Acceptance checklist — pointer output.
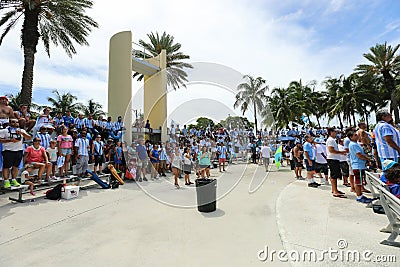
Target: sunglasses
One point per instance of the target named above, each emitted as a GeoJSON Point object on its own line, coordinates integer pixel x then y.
{"type": "Point", "coordinates": [36, 140]}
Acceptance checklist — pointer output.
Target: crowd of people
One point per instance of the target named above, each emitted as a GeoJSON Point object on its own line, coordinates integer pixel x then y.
{"type": "Point", "coordinates": [58, 143]}
{"type": "Point", "coordinates": [66, 142]}
{"type": "Point", "coordinates": [333, 154]}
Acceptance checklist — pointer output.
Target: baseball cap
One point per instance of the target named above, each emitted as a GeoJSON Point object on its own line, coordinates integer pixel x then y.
{"type": "Point", "coordinates": [387, 164]}
{"type": "Point", "coordinates": [4, 97]}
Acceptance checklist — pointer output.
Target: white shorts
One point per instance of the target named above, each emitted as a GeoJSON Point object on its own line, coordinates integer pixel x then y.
{"type": "Point", "coordinates": [4, 121]}
{"type": "Point", "coordinates": [350, 168]}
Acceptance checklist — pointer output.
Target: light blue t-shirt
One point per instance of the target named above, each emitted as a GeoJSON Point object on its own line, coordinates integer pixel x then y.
{"type": "Point", "coordinates": [356, 162]}
{"type": "Point", "coordinates": [309, 149]}
{"type": "Point", "coordinates": [346, 143]}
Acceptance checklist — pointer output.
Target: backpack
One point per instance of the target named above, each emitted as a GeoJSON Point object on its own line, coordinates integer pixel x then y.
{"type": "Point", "coordinates": [55, 193]}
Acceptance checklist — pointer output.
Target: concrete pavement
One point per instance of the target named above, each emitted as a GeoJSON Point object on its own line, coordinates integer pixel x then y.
{"type": "Point", "coordinates": [158, 225]}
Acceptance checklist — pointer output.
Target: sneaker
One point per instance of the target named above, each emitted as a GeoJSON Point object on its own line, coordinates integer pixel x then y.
{"type": "Point", "coordinates": [140, 179]}
{"type": "Point", "coordinates": [7, 184]}
{"type": "Point", "coordinates": [312, 185]}
{"type": "Point", "coordinates": [317, 184]}
{"type": "Point", "coordinates": [32, 193]}
{"type": "Point", "coordinates": [364, 200]}
{"type": "Point", "coordinates": [14, 182]}
{"type": "Point", "coordinates": [300, 178]}
{"type": "Point", "coordinates": [53, 177]}
{"type": "Point", "coordinates": [145, 179]}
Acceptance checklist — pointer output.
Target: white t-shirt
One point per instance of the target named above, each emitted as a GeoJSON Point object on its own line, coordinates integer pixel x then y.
{"type": "Point", "coordinates": [332, 142]}
{"type": "Point", "coordinates": [266, 151]}
{"type": "Point", "coordinates": [23, 176]}
{"type": "Point", "coordinates": [52, 153]}
{"type": "Point", "coordinates": [321, 149]}
{"type": "Point", "coordinates": [18, 146]}
{"type": "Point", "coordinates": [342, 157]}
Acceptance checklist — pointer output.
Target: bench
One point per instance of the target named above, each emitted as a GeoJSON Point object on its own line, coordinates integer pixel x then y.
{"type": "Point", "coordinates": [391, 205]}
{"type": "Point", "coordinates": [373, 182]}
{"type": "Point", "coordinates": [20, 190]}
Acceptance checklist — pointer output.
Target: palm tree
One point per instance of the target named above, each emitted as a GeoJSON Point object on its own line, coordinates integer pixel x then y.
{"type": "Point", "coordinates": [64, 102]}
{"type": "Point", "coordinates": [15, 101]}
{"type": "Point", "coordinates": [334, 105]}
{"type": "Point", "coordinates": [253, 93]}
{"type": "Point", "coordinates": [281, 103]}
{"type": "Point", "coordinates": [93, 108]}
{"type": "Point", "coordinates": [176, 75]}
{"type": "Point", "coordinates": [52, 21]}
{"type": "Point", "coordinates": [386, 64]}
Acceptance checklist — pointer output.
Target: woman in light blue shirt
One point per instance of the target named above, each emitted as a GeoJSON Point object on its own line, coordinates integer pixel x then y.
{"type": "Point", "coordinates": [204, 162]}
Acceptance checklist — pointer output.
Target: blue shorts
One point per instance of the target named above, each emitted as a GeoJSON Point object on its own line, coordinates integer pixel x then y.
{"type": "Point", "coordinates": [66, 151]}
{"type": "Point", "coordinates": [308, 167]}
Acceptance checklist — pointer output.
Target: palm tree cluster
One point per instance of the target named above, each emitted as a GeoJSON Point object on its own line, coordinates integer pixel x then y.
{"type": "Point", "coordinates": [369, 88]}
{"type": "Point", "coordinates": [61, 102]}
{"type": "Point", "coordinates": [61, 22]}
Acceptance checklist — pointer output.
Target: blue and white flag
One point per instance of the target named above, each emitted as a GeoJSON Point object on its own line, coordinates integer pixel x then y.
{"type": "Point", "coordinates": [305, 119]}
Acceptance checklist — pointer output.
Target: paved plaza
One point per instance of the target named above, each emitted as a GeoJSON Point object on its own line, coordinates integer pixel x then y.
{"type": "Point", "coordinates": [156, 225]}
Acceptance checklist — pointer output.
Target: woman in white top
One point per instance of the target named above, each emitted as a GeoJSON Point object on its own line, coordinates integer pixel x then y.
{"type": "Point", "coordinates": [176, 161]}
{"type": "Point", "coordinates": [187, 166]}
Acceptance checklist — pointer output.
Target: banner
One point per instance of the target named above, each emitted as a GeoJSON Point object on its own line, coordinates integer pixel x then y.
{"type": "Point", "coordinates": [278, 157]}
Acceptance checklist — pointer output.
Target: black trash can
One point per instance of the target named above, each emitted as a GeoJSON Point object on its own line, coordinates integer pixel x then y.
{"type": "Point", "coordinates": [206, 195]}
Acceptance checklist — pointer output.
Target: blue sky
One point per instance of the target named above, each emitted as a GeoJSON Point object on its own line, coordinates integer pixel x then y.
{"type": "Point", "coordinates": [281, 41]}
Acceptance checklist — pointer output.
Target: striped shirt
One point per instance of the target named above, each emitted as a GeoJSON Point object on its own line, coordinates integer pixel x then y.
{"type": "Point", "coordinates": [385, 151]}
{"type": "Point", "coordinates": [58, 121]}
{"type": "Point", "coordinates": [222, 150]}
{"type": "Point", "coordinates": [98, 148]}
{"type": "Point", "coordinates": [100, 123]}
{"type": "Point", "coordinates": [118, 125]}
{"type": "Point", "coordinates": [109, 125]}
{"type": "Point", "coordinates": [88, 123]}
{"type": "Point", "coordinates": [78, 123]}
{"type": "Point", "coordinates": [163, 154]}
{"type": "Point", "coordinates": [44, 139]}
{"type": "Point", "coordinates": [83, 146]}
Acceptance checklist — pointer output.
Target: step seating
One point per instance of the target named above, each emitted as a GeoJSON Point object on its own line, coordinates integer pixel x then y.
{"type": "Point", "coordinates": [44, 185]}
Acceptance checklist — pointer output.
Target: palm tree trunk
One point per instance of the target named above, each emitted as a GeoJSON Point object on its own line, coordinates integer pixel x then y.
{"type": "Point", "coordinates": [366, 119]}
{"type": "Point", "coordinates": [354, 119]}
{"type": "Point", "coordinates": [255, 116]}
{"type": "Point", "coordinates": [391, 88]}
{"type": "Point", "coordinates": [30, 38]}
{"type": "Point", "coordinates": [340, 121]}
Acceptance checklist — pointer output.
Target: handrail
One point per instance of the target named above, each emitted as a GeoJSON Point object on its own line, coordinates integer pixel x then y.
{"type": "Point", "coordinates": [141, 52]}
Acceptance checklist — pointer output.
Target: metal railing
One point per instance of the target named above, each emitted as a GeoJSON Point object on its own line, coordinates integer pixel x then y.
{"type": "Point", "coordinates": [140, 52]}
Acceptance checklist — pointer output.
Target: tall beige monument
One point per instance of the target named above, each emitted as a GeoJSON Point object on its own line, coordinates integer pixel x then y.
{"type": "Point", "coordinates": [121, 64]}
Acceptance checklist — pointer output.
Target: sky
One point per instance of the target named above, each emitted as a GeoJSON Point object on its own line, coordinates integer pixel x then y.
{"type": "Point", "coordinates": [280, 41]}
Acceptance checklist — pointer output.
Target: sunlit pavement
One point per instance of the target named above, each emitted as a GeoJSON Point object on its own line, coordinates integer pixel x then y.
{"type": "Point", "coordinates": [158, 225]}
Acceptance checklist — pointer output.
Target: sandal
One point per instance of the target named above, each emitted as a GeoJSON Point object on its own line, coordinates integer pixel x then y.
{"type": "Point", "coordinates": [340, 196]}
{"type": "Point", "coordinates": [340, 192]}
{"type": "Point", "coordinates": [177, 186]}
{"type": "Point", "coordinates": [347, 185]}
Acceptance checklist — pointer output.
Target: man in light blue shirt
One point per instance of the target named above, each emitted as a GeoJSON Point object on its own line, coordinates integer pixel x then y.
{"type": "Point", "coordinates": [386, 136]}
